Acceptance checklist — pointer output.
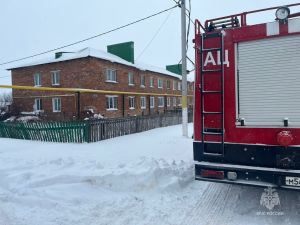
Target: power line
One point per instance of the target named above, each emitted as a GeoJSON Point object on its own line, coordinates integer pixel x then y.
{"type": "Point", "coordinates": [188, 14]}
{"type": "Point", "coordinates": [154, 36]}
{"type": "Point", "coordinates": [177, 2]}
{"type": "Point", "coordinates": [89, 38]}
{"type": "Point", "coordinates": [191, 61]}
{"type": "Point", "coordinates": [189, 25]}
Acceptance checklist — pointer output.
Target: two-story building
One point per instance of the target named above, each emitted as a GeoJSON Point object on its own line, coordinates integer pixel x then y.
{"type": "Point", "coordinates": [95, 70]}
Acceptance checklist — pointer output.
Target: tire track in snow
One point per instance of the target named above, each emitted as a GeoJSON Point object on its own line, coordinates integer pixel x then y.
{"type": "Point", "coordinates": [215, 206]}
{"type": "Point", "coordinates": [234, 205]}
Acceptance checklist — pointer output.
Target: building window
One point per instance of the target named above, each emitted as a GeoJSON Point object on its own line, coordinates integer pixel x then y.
{"type": "Point", "coordinates": [160, 83]}
{"type": "Point", "coordinates": [111, 75]}
{"type": "Point", "coordinates": [143, 102]}
{"type": "Point", "coordinates": [174, 85]}
{"type": "Point", "coordinates": [38, 106]}
{"type": "Point", "coordinates": [179, 86]}
{"type": "Point", "coordinates": [161, 102]}
{"type": "Point", "coordinates": [192, 87]}
{"type": "Point", "coordinates": [151, 81]}
{"type": "Point", "coordinates": [174, 101]}
{"type": "Point", "coordinates": [168, 84]}
{"type": "Point", "coordinates": [142, 80]}
{"type": "Point", "coordinates": [179, 101]}
{"type": "Point", "coordinates": [112, 102]}
{"type": "Point", "coordinates": [130, 79]}
{"type": "Point", "coordinates": [55, 77]}
{"type": "Point", "coordinates": [191, 101]}
{"type": "Point", "coordinates": [152, 102]}
{"type": "Point", "coordinates": [56, 104]}
{"type": "Point", "coordinates": [168, 101]}
{"type": "Point", "coordinates": [131, 102]}
{"type": "Point", "coordinates": [37, 80]}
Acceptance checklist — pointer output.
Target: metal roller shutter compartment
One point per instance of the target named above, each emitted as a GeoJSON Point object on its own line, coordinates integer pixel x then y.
{"type": "Point", "coordinates": [269, 81]}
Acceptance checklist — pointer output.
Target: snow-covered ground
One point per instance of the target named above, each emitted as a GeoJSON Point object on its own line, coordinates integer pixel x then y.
{"type": "Point", "coordinates": [140, 179]}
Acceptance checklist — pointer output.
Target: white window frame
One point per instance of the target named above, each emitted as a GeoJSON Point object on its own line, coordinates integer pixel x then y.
{"type": "Point", "coordinates": [38, 105]}
{"type": "Point", "coordinates": [160, 83]}
{"type": "Point", "coordinates": [37, 79]}
{"type": "Point", "coordinates": [179, 86]}
{"type": "Point", "coordinates": [113, 105]}
{"type": "Point", "coordinates": [161, 102]}
{"type": "Point", "coordinates": [55, 77]}
{"type": "Point", "coordinates": [168, 84]}
{"type": "Point", "coordinates": [56, 104]}
{"type": "Point", "coordinates": [143, 102]}
{"type": "Point", "coordinates": [152, 102]}
{"type": "Point", "coordinates": [192, 87]}
{"type": "Point", "coordinates": [168, 101]}
{"type": "Point", "coordinates": [111, 75]}
{"type": "Point", "coordinates": [179, 101]}
{"type": "Point", "coordinates": [152, 82]}
{"type": "Point", "coordinates": [174, 85]}
{"type": "Point", "coordinates": [174, 101]}
{"type": "Point", "coordinates": [143, 81]}
{"type": "Point", "coordinates": [131, 102]}
{"type": "Point", "coordinates": [191, 102]}
{"type": "Point", "coordinates": [130, 79]}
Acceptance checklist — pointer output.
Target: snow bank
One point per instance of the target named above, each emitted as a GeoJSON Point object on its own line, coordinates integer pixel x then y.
{"type": "Point", "coordinates": [141, 176]}
{"type": "Point", "coordinates": [139, 179]}
{"type": "Point", "coordinates": [53, 183]}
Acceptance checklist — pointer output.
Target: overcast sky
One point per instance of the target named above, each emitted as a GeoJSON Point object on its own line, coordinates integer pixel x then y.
{"type": "Point", "coordinates": [32, 26]}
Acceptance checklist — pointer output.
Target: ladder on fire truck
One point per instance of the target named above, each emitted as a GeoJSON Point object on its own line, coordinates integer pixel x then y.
{"type": "Point", "coordinates": [220, 72]}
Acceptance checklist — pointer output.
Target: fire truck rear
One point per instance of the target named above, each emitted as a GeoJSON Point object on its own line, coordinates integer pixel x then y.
{"type": "Point", "coordinates": [247, 100]}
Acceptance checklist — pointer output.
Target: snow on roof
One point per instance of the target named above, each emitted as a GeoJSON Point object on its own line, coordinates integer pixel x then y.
{"type": "Point", "coordinates": [86, 52]}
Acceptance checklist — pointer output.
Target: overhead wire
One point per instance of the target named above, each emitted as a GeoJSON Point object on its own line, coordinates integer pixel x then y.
{"type": "Point", "coordinates": [92, 37]}
{"type": "Point", "coordinates": [189, 25]}
{"type": "Point", "coordinates": [155, 35]}
{"type": "Point", "coordinates": [188, 33]}
{"type": "Point", "coordinates": [187, 14]}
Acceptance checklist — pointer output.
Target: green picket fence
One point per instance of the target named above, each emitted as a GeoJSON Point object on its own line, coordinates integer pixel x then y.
{"type": "Point", "coordinates": [87, 131]}
{"type": "Point", "coordinates": [75, 132]}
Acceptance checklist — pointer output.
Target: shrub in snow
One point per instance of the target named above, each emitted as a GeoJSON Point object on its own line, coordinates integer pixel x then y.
{"type": "Point", "coordinates": [11, 119]}
{"type": "Point", "coordinates": [91, 114]}
{"type": "Point", "coordinates": [24, 119]}
{"type": "Point", "coordinates": [98, 116]}
{"type": "Point", "coordinates": [27, 119]}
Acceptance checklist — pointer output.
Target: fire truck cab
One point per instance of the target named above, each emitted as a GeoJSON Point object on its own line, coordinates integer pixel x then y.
{"type": "Point", "coordinates": [247, 100]}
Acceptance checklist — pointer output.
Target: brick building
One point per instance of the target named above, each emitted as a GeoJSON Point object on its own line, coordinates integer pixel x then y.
{"type": "Point", "coordinates": [97, 70]}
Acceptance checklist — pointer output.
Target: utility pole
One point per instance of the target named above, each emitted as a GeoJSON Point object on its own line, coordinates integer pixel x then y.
{"type": "Point", "coordinates": [184, 76]}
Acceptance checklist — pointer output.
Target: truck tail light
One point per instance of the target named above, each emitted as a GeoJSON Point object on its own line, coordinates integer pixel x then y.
{"type": "Point", "coordinates": [285, 138]}
{"type": "Point", "coordinates": [212, 174]}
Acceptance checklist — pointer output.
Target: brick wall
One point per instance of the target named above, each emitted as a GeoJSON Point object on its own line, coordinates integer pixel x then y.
{"type": "Point", "coordinates": [89, 73]}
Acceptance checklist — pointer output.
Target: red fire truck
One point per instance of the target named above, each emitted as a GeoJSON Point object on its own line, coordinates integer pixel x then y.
{"type": "Point", "coordinates": [247, 100]}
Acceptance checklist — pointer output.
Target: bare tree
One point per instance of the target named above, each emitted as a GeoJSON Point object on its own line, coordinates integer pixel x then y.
{"type": "Point", "coordinates": [5, 99]}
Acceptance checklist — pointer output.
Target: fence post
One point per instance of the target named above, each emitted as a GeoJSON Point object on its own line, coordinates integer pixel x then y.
{"type": "Point", "coordinates": [87, 131]}
{"type": "Point", "coordinates": [24, 131]}
{"type": "Point", "coordinates": [136, 125]}
{"type": "Point", "coordinates": [160, 120]}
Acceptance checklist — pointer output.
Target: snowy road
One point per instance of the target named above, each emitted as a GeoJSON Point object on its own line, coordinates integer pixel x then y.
{"type": "Point", "coordinates": [233, 205]}
{"type": "Point", "coordinates": [141, 179]}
